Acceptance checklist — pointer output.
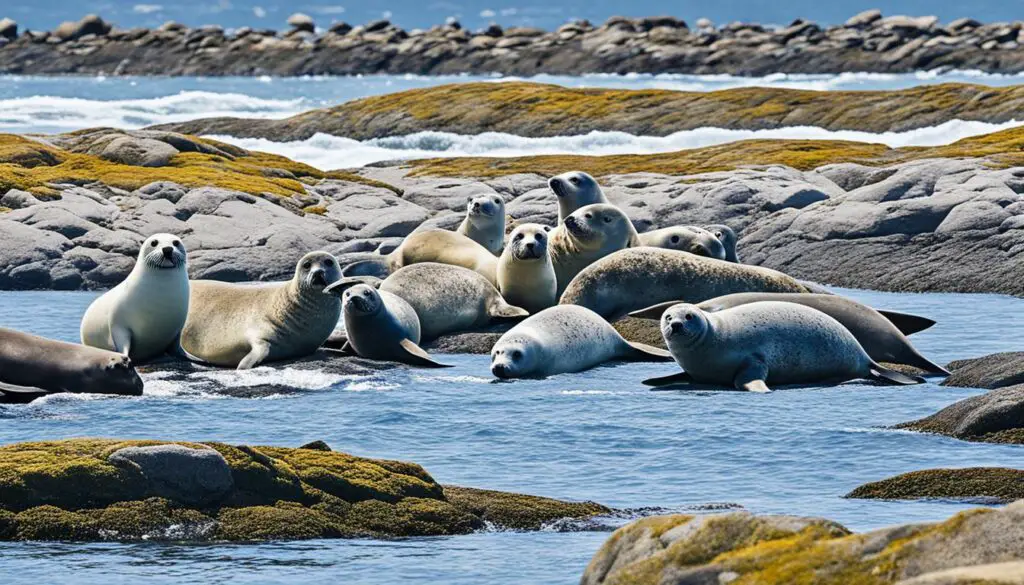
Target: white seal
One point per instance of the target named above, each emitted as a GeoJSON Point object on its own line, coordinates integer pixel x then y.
{"type": "Point", "coordinates": [526, 277]}
{"type": "Point", "coordinates": [485, 222]}
{"type": "Point", "coordinates": [574, 190]}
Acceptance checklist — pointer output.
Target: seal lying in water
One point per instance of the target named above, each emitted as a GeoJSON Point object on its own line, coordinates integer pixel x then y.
{"type": "Point", "coordinates": [32, 366]}
{"type": "Point", "coordinates": [752, 346]}
{"type": "Point", "coordinates": [564, 339]}
{"type": "Point", "coordinates": [879, 337]}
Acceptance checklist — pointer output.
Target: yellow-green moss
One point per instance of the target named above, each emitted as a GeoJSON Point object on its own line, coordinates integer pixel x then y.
{"type": "Point", "coordinates": [315, 209]}
{"type": "Point", "coordinates": [977, 482]}
{"type": "Point", "coordinates": [4, 209]}
{"type": "Point", "coordinates": [517, 510]}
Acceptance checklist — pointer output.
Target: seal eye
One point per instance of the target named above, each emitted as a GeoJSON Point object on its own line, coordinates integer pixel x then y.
{"type": "Point", "coordinates": [519, 236]}
{"type": "Point", "coordinates": [516, 354]}
{"type": "Point", "coordinates": [328, 262]}
{"type": "Point", "coordinates": [607, 219]}
{"type": "Point", "coordinates": [718, 234]}
{"type": "Point", "coordinates": [588, 215]}
{"type": "Point", "coordinates": [574, 180]}
{"type": "Point", "coordinates": [689, 316]}
{"type": "Point", "coordinates": [539, 237]}
{"type": "Point", "coordinates": [153, 243]}
{"type": "Point", "coordinates": [675, 239]}
{"type": "Point", "coordinates": [497, 201]}
{"type": "Point", "coordinates": [307, 265]}
{"type": "Point", "coordinates": [366, 293]}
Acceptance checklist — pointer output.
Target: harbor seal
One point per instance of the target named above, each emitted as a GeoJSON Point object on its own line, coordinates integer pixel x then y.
{"type": "Point", "coordinates": [574, 190]}
{"type": "Point", "coordinates": [440, 246]}
{"type": "Point", "coordinates": [142, 317]}
{"type": "Point", "coordinates": [686, 238]}
{"type": "Point", "coordinates": [526, 277]}
{"type": "Point", "coordinates": [31, 366]}
{"type": "Point", "coordinates": [879, 337]}
{"type": "Point", "coordinates": [382, 326]}
{"type": "Point", "coordinates": [485, 222]}
{"type": "Point", "coordinates": [238, 325]}
{"type": "Point", "coordinates": [632, 279]}
{"type": "Point", "coordinates": [586, 236]}
{"type": "Point", "coordinates": [727, 236]}
{"type": "Point", "coordinates": [767, 343]}
{"type": "Point", "coordinates": [561, 340]}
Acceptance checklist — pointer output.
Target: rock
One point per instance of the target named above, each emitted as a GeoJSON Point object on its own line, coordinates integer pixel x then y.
{"type": "Point", "coordinates": [705, 23]}
{"type": "Point", "coordinates": [1010, 573]}
{"type": "Point", "coordinates": [992, 371]}
{"type": "Point", "coordinates": [89, 25]}
{"type": "Point", "coordinates": [317, 446]}
{"type": "Point", "coordinates": [377, 25]}
{"type": "Point", "coordinates": [864, 19]}
{"type": "Point", "coordinates": [995, 417]}
{"type": "Point", "coordinates": [140, 152]}
{"type": "Point", "coordinates": [194, 477]}
{"type": "Point", "coordinates": [963, 24]}
{"type": "Point", "coordinates": [340, 28]}
{"type": "Point", "coordinates": [18, 199]}
{"type": "Point", "coordinates": [301, 22]}
{"type": "Point", "coordinates": [994, 484]}
{"type": "Point", "coordinates": [8, 29]}
{"type": "Point", "coordinates": [172, 192]}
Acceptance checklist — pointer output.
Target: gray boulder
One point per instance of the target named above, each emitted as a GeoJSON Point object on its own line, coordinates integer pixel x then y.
{"type": "Point", "coordinates": [995, 417]}
{"type": "Point", "coordinates": [17, 199]}
{"type": "Point", "coordinates": [140, 152]}
{"type": "Point", "coordinates": [301, 22]}
{"type": "Point", "coordinates": [194, 477]}
{"type": "Point", "coordinates": [89, 25]}
{"type": "Point", "coordinates": [8, 29]}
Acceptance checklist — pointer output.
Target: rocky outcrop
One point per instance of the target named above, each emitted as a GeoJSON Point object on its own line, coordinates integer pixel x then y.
{"type": "Point", "coordinates": [993, 484]}
{"type": "Point", "coordinates": [777, 550]}
{"type": "Point", "coordinates": [998, 370]}
{"type": "Point", "coordinates": [108, 489]}
{"type": "Point", "coordinates": [540, 110]}
{"type": "Point", "coordinates": [867, 42]}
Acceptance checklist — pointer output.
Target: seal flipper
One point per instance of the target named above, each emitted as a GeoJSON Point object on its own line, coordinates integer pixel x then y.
{"type": "Point", "coordinates": [751, 376]}
{"type": "Point", "coordinates": [122, 340]}
{"type": "Point", "coordinates": [501, 311]}
{"type": "Point", "coordinates": [671, 380]}
{"type": "Point", "coordinates": [259, 350]}
{"type": "Point", "coordinates": [371, 267]}
{"type": "Point", "coordinates": [912, 357]}
{"type": "Point", "coordinates": [907, 324]}
{"type": "Point", "coordinates": [337, 341]}
{"type": "Point", "coordinates": [12, 394]}
{"type": "Point", "coordinates": [415, 355]}
{"type": "Point", "coordinates": [654, 311]}
{"type": "Point", "coordinates": [641, 352]}
{"type": "Point", "coordinates": [887, 376]}
{"type": "Point", "coordinates": [177, 350]}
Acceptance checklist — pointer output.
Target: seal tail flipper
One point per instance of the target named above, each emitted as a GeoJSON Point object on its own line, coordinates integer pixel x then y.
{"type": "Point", "coordinates": [672, 380]}
{"type": "Point", "coordinates": [372, 267]}
{"type": "Point", "coordinates": [338, 287]}
{"type": "Point", "coordinates": [11, 394]}
{"type": "Point", "coordinates": [641, 352]}
{"type": "Point", "coordinates": [415, 355]}
{"type": "Point", "coordinates": [887, 376]}
{"type": "Point", "coordinates": [914, 358]}
{"type": "Point", "coordinates": [504, 311]}
{"type": "Point", "coordinates": [907, 324]}
{"type": "Point", "coordinates": [654, 311]}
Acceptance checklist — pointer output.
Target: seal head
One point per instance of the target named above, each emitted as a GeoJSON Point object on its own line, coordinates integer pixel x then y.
{"type": "Point", "coordinates": [574, 190]}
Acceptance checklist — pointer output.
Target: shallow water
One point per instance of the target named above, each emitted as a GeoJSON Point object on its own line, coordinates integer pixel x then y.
{"type": "Point", "coordinates": [599, 435]}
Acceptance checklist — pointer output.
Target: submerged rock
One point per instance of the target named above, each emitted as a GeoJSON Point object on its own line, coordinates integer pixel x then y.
{"type": "Point", "coordinates": [995, 417]}
{"type": "Point", "coordinates": [974, 483]}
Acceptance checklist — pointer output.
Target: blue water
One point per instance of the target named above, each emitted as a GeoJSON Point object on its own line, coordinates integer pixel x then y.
{"type": "Point", "coordinates": [597, 436]}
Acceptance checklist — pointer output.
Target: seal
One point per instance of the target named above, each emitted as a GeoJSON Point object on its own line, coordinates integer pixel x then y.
{"type": "Point", "coordinates": [727, 236]}
{"type": "Point", "coordinates": [879, 337]}
{"type": "Point", "coordinates": [686, 238]}
{"type": "Point", "coordinates": [632, 279]}
{"type": "Point", "coordinates": [574, 190]}
{"type": "Point", "coordinates": [561, 340]}
{"type": "Point", "coordinates": [440, 246]}
{"type": "Point", "coordinates": [381, 326]}
{"type": "Point", "coordinates": [485, 222]}
{"type": "Point", "coordinates": [238, 325]}
{"type": "Point", "coordinates": [31, 366]}
{"type": "Point", "coordinates": [526, 277]}
{"type": "Point", "coordinates": [586, 236]}
{"type": "Point", "coordinates": [142, 316]}
{"type": "Point", "coordinates": [767, 343]}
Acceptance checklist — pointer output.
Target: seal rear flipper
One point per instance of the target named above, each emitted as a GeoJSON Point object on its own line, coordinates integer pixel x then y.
{"type": "Point", "coordinates": [338, 287]}
{"type": "Point", "coordinates": [414, 355]}
{"type": "Point", "coordinates": [337, 341]}
{"type": "Point", "coordinates": [751, 376]}
{"type": "Point", "coordinates": [371, 267]}
{"type": "Point", "coordinates": [671, 380]}
{"type": "Point", "coordinates": [654, 311]}
{"type": "Point", "coordinates": [642, 352]}
{"type": "Point", "coordinates": [505, 311]}
{"type": "Point", "coordinates": [887, 376]}
{"type": "Point", "coordinates": [907, 324]}
{"type": "Point", "coordinates": [913, 358]}
{"type": "Point", "coordinates": [11, 394]}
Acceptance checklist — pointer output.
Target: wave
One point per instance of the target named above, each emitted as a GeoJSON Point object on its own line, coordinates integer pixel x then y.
{"type": "Point", "coordinates": [331, 152]}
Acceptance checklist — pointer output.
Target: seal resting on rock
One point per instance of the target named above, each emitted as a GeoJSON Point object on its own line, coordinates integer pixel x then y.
{"type": "Point", "coordinates": [768, 343]}
{"type": "Point", "coordinates": [526, 277]}
{"type": "Point", "coordinates": [574, 190]}
{"type": "Point", "coordinates": [879, 337]}
{"type": "Point", "coordinates": [238, 325]}
{"type": "Point", "coordinates": [727, 236]}
{"type": "Point", "coordinates": [31, 366]}
{"type": "Point", "coordinates": [685, 238]}
{"type": "Point", "coordinates": [586, 236]}
{"type": "Point", "coordinates": [485, 222]}
{"type": "Point", "coordinates": [440, 246]}
{"type": "Point", "coordinates": [142, 317]}
{"type": "Point", "coordinates": [632, 279]}
{"type": "Point", "coordinates": [561, 340]}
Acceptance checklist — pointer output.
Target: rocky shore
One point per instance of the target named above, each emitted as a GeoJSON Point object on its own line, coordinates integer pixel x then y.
{"type": "Point", "coordinates": [662, 44]}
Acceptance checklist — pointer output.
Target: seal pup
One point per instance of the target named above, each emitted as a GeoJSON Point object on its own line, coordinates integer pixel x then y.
{"type": "Point", "coordinates": [142, 317]}
{"type": "Point", "coordinates": [632, 279]}
{"type": "Point", "coordinates": [381, 326]}
{"type": "Point", "coordinates": [440, 246]}
{"type": "Point", "coordinates": [686, 238]}
{"type": "Point", "coordinates": [767, 343]}
{"type": "Point", "coordinates": [238, 325]}
{"type": "Point", "coordinates": [727, 236]}
{"type": "Point", "coordinates": [879, 337]}
{"type": "Point", "coordinates": [586, 236]}
{"type": "Point", "coordinates": [574, 190]}
{"type": "Point", "coordinates": [31, 366]}
{"type": "Point", "coordinates": [564, 339]}
{"type": "Point", "coordinates": [526, 277]}
{"type": "Point", "coordinates": [485, 222]}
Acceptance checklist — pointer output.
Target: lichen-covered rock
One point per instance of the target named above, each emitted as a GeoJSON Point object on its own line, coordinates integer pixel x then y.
{"type": "Point", "coordinates": [992, 371]}
{"type": "Point", "coordinates": [96, 489]}
{"type": "Point", "coordinates": [988, 483]}
{"type": "Point", "coordinates": [1011, 573]}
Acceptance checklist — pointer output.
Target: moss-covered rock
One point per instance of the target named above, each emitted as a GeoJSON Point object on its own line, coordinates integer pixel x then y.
{"type": "Point", "coordinates": [70, 489]}
{"type": "Point", "coordinates": [994, 483]}
{"type": "Point", "coordinates": [994, 417]}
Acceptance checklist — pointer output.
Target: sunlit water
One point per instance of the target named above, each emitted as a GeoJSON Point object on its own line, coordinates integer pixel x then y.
{"type": "Point", "coordinates": [598, 435]}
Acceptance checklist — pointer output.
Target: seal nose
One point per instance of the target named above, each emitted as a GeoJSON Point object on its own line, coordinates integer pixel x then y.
{"type": "Point", "coordinates": [676, 326]}
{"type": "Point", "coordinates": [531, 245]}
{"type": "Point", "coordinates": [168, 252]}
{"type": "Point", "coordinates": [500, 370]}
{"type": "Point", "coordinates": [476, 206]}
{"type": "Point", "coordinates": [555, 184]}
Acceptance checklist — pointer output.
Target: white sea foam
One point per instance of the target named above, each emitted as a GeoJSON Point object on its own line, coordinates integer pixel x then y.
{"type": "Point", "coordinates": [291, 377]}
{"type": "Point", "coordinates": [330, 152]}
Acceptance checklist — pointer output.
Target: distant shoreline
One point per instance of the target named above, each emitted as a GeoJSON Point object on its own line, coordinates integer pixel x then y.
{"type": "Point", "coordinates": [867, 43]}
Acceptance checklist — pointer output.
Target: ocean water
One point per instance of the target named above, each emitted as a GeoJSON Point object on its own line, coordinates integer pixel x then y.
{"type": "Point", "coordinates": [62, 104]}
{"type": "Point", "coordinates": [599, 435]}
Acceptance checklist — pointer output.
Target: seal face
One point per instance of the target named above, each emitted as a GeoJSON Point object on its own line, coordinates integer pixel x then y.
{"type": "Point", "coordinates": [142, 317]}
{"type": "Point", "coordinates": [243, 326]}
{"type": "Point", "coordinates": [727, 236]}
{"type": "Point", "coordinates": [485, 222]}
{"type": "Point", "coordinates": [563, 339]}
{"type": "Point", "coordinates": [753, 346]}
{"type": "Point", "coordinates": [526, 276]}
{"type": "Point", "coordinates": [586, 236]}
{"type": "Point", "coordinates": [574, 190]}
{"type": "Point", "coordinates": [686, 238]}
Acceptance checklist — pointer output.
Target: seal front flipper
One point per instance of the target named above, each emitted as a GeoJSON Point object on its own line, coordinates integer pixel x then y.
{"type": "Point", "coordinates": [642, 352]}
{"type": "Point", "coordinates": [907, 324]}
{"type": "Point", "coordinates": [654, 311]}
{"type": "Point", "coordinates": [122, 339]}
{"type": "Point", "coordinates": [751, 376]}
{"type": "Point", "coordinates": [887, 376]}
{"type": "Point", "coordinates": [672, 380]}
{"type": "Point", "coordinates": [259, 351]}
{"type": "Point", "coordinates": [414, 355]}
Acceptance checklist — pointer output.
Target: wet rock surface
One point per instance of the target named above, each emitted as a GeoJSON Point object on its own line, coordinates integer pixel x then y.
{"type": "Point", "coordinates": [990, 484]}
